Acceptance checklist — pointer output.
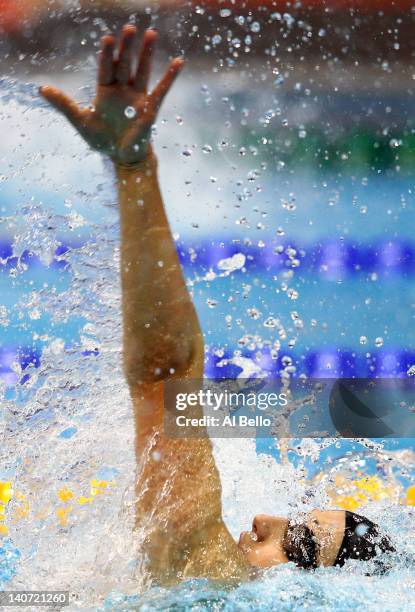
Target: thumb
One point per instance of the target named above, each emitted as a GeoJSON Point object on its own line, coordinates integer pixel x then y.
{"type": "Point", "coordinates": [63, 104]}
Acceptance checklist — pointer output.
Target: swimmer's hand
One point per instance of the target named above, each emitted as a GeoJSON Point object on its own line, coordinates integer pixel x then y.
{"type": "Point", "coordinates": [123, 111]}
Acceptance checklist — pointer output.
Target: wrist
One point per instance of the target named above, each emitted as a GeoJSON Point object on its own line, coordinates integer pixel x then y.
{"type": "Point", "coordinates": [147, 163]}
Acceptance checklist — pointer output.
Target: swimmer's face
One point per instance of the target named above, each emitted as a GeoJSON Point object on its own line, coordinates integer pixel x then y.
{"type": "Point", "coordinates": [271, 537]}
{"type": "Point", "coordinates": [263, 545]}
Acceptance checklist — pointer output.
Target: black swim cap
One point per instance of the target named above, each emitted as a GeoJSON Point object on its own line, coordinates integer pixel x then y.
{"type": "Point", "coordinates": [300, 546]}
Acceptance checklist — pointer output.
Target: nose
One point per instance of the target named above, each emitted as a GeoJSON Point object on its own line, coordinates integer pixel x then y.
{"type": "Point", "coordinates": [261, 524]}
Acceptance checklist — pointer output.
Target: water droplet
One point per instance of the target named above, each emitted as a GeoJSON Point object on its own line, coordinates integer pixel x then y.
{"type": "Point", "coordinates": [256, 27]}
{"type": "Point", "coordinates": [254, 313]}
{"type": "Point", "coordinates": [363, 340]}
{"type": "Point", "coordinates": [289, 205]}
{"type": "Point", "coordinates": [207, 149]}
{"type": "Point", "coordinates": [270, 322]}
{"type": "Point", "coordinates": [379, 342]}
{"type": "Point", "coordinates": [292, 294]}
{"type": "Point", "coordinates": [130, 112]}
{"type": "Point", "coordinates": [187, 153]}
{"type": "Point", "coordinates": [236, 262]}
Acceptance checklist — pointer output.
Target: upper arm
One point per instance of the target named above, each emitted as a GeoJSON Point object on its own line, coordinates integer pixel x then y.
{"type": "Point", "coordinates": [179, 499]}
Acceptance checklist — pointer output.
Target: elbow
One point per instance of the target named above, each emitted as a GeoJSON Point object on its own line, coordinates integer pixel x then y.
{"type": "Point", "coordinates": [165, 358]}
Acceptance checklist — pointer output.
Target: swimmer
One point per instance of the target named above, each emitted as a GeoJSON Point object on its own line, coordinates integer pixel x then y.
{"type": "Point", "coordinates": [178, 485]}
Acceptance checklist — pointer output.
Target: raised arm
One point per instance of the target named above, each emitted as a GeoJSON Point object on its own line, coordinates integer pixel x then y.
{"type": "Point", "coordinates": [178, 486]}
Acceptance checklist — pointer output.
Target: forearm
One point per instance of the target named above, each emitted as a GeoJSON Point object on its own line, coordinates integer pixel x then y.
{"type": "Point", "coordinates": [162, 336]}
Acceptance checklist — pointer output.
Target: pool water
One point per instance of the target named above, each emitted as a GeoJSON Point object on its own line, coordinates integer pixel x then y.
{"type": "Point", "coordinates": [306, 270]}
{"type": "Point", "coordinates": [284, 589]}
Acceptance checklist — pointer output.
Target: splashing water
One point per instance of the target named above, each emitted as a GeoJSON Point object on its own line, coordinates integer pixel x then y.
{"type": "Point", "coordinates": [68, 438]}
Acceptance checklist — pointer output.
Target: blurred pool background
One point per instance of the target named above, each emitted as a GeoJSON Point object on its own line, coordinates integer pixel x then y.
{"type": "Point", "coordinates": [286, 155]}
{"type": "Point", "coordinates": [304, 167]}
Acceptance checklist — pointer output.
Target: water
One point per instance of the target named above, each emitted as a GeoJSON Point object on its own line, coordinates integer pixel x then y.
{"type": "Point", "coordinates": [283, 589]}
{"type": "Point", "coordinates": [67, 418]}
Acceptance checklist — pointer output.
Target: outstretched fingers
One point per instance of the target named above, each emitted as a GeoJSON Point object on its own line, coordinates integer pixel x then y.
{"type": "Point", "coordinates": [142, 75]}
{"type": "Point", "coordinates": [106, 69]}
{"type": "Point", "coordinates": [159, 92]}
{"type": "Point", "coordinates": [125, 55]}
{"type": "Point", "coordinates": [64, 104]}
